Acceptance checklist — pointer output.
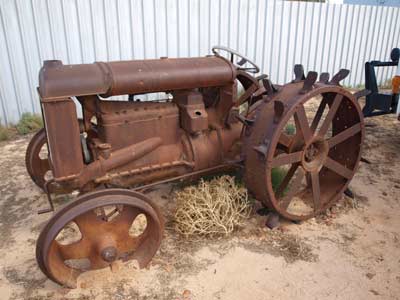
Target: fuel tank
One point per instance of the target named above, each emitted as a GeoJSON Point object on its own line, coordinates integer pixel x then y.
{"type": "Point", "coordinates": [132, 77]}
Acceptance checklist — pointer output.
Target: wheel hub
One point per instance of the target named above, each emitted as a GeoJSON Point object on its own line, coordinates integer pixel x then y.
{"type": "Point", "coordinates": [315, 154]}
{"type": "Point", "coordinates": [109, 254]}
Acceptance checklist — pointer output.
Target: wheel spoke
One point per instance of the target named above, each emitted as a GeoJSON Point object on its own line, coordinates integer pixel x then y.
{"type": "Point", "coordinates": [331, 113]}
{"type": "Point", "coordinates": [295, 187]}
{"type": "Point", "coordinates": [285, 159]}
{"type": "Point", "coordinates": [126, 217]}
{"type": "Point", "coordinates": [88, 223]}
{"type": "Point", "coordinates": [297, 142]}
{"type": "Point", "coordinates": [318, 115]}
{"type": "Point", "coordinates": [65, 274]}
{"type": "Point", "coordinates": [316, 190]}
{"type": "Point", "coordinates": [285, 140]}
{"type": "Point", "coordinates": [129, 244]}
{"type": "Point", "coordinates": [344, 135]}
{"type": "Point", "coordinates": [286, 180]}
{"type": "Point", "coordinates": [300, 118]}
{"type": "Point", "coordinates": [338, 168]}
{"type": "Point", "coordinates": [77, 250]}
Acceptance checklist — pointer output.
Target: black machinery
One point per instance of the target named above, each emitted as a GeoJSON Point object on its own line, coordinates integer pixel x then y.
{"type": "Point", "coordinates": [376, 102]}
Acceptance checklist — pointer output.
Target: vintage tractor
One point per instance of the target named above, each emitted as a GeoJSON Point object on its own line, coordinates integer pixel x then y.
{"type": "Point", "coordinates": [309, 132]}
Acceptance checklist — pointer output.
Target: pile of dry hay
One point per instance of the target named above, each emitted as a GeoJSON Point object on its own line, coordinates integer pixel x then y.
{"type": "Point", "coordinates": [211, 208]}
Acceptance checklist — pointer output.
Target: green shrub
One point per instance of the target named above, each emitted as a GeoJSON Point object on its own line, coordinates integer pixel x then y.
{"type": "Point", "coordinates": [290, 129]}
{"type": "Point", "coordinates": [277, 176]}
{"type": "Point", "coordinates": [29, 123]}
{"type": "Point", "coordinates": [4, 133]}
{"type": "Point", "coordinates": [360, 86]}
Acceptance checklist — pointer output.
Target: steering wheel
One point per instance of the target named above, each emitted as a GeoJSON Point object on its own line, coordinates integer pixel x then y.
{"type": "Point", "coordinates": [238, 64]}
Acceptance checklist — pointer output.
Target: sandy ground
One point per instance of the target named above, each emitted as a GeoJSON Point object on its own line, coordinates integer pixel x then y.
{"type": "Point", "coordinates": [351, 252]}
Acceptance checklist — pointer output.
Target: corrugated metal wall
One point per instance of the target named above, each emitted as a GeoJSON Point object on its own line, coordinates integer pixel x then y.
{"type": "Point", "coordinates": [275, 34]}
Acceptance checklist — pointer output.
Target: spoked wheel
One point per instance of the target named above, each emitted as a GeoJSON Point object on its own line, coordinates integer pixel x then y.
{"type": "Point", "coordinates": [304, 148]}
{"type": "Point", "coordinates": [36, 158]}
{"type": "Point", "coordinates": [97, 229]}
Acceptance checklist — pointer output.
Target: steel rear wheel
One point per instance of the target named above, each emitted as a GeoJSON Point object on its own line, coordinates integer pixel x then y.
{"type": "Point", "coordinates": [304, 149]}
{"type": "Point", "coordinates": [104, 221]}
{"type": "Point", "coordinates": [36, 158]}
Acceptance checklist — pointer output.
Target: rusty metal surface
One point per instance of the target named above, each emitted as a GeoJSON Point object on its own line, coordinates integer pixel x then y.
{"type": "Point", "coordinates": [318, 160]}
{"type": "Point", "coordinates": [63, 137]}
{"type": "Point", "coordinates": [117, 120]}
{"type": "Point", "coordinates": [133, 77]}
{"type": "Point", "coordinates": [180, 123]}
{"type": "Point", "coordinates": [128, 144]}
{"type": "Point", "coordinates": [206, 127]}
{"type": "Point", "coordinates": [193, 115]}
{"type": "Point", "coordinates": [36, 163]}
{"type": "Point", "coordinates": [105, 238]}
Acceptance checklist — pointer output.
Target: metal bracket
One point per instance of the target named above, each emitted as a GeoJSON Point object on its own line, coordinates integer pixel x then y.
{"type": "Point", "coordinates": [339, 76]}
{"type": "Point", "coordinates": [262, 149]}
{"type": "Point", "coordinates": [279, 108]}
{"type": "Point", "coordinates": [299, 73]}
{"type": "Point", "coordinates": [362, 93]}
{"type": "Point", "coordinates": [309, 82]}
{"type": "Point", "coordinates": [269, 87]}
{"type": "Point", "coordinates": [324, 77]}
{"type": "Point", "coordinates": [49, 200]}
{"type": "Point", "coordinates": [245, 121]}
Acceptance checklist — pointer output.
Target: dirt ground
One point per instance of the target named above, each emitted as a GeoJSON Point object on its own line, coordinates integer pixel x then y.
{"type": "Point", "coordinates": [351, 252]}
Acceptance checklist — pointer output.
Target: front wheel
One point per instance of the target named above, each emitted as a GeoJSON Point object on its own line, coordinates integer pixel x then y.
{"type": "Point", "coordinates": [36, 158]}
{"type": "Point", "coordinates": [97, 229]}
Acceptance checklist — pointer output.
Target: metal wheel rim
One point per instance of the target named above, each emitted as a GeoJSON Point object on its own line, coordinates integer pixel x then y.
{"type": "Point", "coordinates": [273, 134]}
{"type": "Point", "coordinates": [36, 166]}
{"type": "Point", "coordinates": [149, 240]}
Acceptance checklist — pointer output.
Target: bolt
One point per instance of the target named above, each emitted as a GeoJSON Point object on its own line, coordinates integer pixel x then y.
{"type": "Point", "coordinates": [109, 254]}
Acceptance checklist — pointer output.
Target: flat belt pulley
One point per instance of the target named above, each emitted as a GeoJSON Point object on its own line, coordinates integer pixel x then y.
{"type": "Point", "coordinates": [104, 220]}
{"type": "Point", "coordinates": [304, 146]}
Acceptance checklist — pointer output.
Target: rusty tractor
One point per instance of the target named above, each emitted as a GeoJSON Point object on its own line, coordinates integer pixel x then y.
{"type": "Point", "coordinates": [215, 116]}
